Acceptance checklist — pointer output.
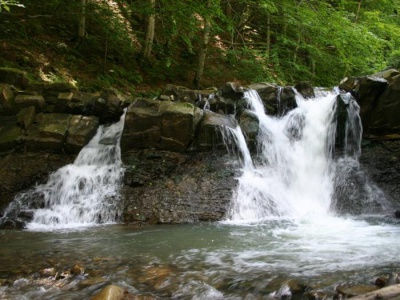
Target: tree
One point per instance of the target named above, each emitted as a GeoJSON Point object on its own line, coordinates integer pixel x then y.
{"type": "Point", "coordinates": [151, 21]}
{"type": "Point", "coordinates": [82, 20]}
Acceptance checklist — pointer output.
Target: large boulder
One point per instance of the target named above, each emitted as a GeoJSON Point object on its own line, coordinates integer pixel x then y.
{"type": "Point", "coordinates": [60, 132]}
{"type": "Point", "coordinates": [367, 90]}
{"type": "Point", "coordinates": [277, 100]}
{"type": "Point", "coordinates": [382, 119]}
{"type": "Point", "coordinates": [269, 94]}
{"type": "Point", "coordinates": [209, 134]}
{"type": "Point", "coordinates": [158, 124]}
{"type": "Point", "coordinates": [81, 130]}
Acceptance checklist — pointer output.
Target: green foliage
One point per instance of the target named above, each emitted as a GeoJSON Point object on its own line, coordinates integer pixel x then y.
{"type": "Point", "coordinates": [266, 40]}
{"type": "Point", "coordinates": [5, 4]}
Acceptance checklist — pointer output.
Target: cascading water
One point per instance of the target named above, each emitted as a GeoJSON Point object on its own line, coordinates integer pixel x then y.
{"type": "Point", "coordinates": [83, 193]}
{"type": "Point", "coordinates": [294, 174]}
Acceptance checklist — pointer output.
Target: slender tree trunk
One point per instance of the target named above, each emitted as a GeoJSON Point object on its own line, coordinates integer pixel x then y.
{"type": "Point", "coordinates": [203, 50]}
{"type": "Point", "coordinates": [82, 20]}
{"type": "Point", "coordinates": [358, 10]}
{"type": "Point", "coordinates": [268, 46]}
{"type": "Point", "coordinates": [151, 22]}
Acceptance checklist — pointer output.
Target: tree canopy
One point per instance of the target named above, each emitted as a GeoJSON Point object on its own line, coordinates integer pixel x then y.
{"type": "Point", "coordinates": [207, 42]}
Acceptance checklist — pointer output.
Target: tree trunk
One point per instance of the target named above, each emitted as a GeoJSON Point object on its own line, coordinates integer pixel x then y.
{"type": "Point", "coordinates": [268, 47]}
{"type": "Point", "coordinates": [82, 20]}
{"type": "Point", "coordinates": [151, 22]}
{"type": "Point", "coordinates": [358, 10]}
{"type": "Point", "coordinates": [203, 50]}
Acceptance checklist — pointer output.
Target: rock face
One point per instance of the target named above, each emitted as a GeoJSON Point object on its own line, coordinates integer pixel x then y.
{"type": "Point", "coordinates": [177, 170]}
{"type": "Point", "coordinates": [161, 125]}
{"type": "Point", "coordinates": [170, 187]}
{"type": "Point", "coordinates": [378, 97]}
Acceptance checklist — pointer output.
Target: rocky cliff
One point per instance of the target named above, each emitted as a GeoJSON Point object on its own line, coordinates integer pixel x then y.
{"type": "Point", "coordinates": [177, 167]}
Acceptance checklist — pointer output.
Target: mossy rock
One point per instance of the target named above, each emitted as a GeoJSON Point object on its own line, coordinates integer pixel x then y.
{"type": "Point", "coordinates": [10, 135]}
{"type": "Point", "coordinates": [16, 77]}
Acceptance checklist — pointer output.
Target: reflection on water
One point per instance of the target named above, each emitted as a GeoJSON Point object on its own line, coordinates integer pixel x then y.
{"type": "Point", "coordinates": [209, 261]}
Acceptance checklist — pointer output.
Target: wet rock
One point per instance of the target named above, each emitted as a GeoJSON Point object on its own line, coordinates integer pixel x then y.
{"type": "Point", "coordinates": [397, 214]}
{"type": "Point", "coordinates": [355, 290]}
{"type": "Point", "coordinates": [48, 272]}
{"type": "Point", "coordinates": [176, 188]}
{"type": "Point", "coordinates": [158, 276]}
{"type": "Point", "coordinates": [305, 89]}
{"type": "Point", "coordinates": [367, 91]}
{"type": "Point", "coordinates": [231, 90]}
{"type": "Point", "coordinates": [92, 281]}
{"type": "Point", "coordinates": [19, 171]}
{"type": "Point", "coordinates": [209, 136]}
{"type": "Point", "coordinates": [387, 74]}
{"type": "Point", "coordinates": [390, 292]}
{"type": "Point", "coordinates": [111, 292]}
{"type": "Point", "coordinates": [77, 270]}
{"type": "Point", "coordinates": [347, 84]}
{"type": "Point", "coordinates": [269, 94]}
{"type": "Point", "coordinates": [317, 295]}
{"type": "Point", "coordinates": [80, 131]}
{"type": "Point", "coordinates": [393, 279]}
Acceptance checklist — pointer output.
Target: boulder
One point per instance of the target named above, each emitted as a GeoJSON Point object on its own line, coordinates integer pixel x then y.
{"type": "Point", "coordinates": [286, 100]}
{"type": "Point", "coordinates": [269, 95]}
{"type": "Point", "coordinates": [14, 77]}
{"type": "Point", "coordinates": [22, 101]}
{"type": "Point", "coordinates": [10, 137]}
{"type": "Point", "coordinates": [387, 74]}
{"type": "Point", "coordinates": [81, 130]}
{"type": "Point", "coordinates": [179, 94]}
{"type": "Point", "coordinates": [209, 136]}
{"type": "Point", "coordinates": [277, 100]}
{"type": "Point", "coordinates": [250, 126]}
{"type": "Point", "coordinates": [110, 292]}
{"type": "Point", "coordinates": [142, 127]}
{"type": "Point", "coordinates": [347, 84]}
{"type": "Point", "coordinates": [6, 99]}
{"type": "Point", "coordinates": [49, 134]}
{"type": "Point", "coordinates": [75, 102]}
{"type": "Point", "coordinates": [355, 290]}
{"type": "Point", "coordinates": [367, 91]}
{"type": "Point", "coordinates": [178, 124]}
{"type": "Point", "coordinates": [390, 292]}
{"type": "Point", "coordinates": [305, 89]}
{"type": "Point", "coordinates": [381, 118]}
{"type": "Point", "coordinates": [26, 117]}
{"type": "Point", "coordinates": [231, 90]}
{"type": "Point", "coordinates": [162, 125]}
{"type": "Point", "coordinates": [109, 106]}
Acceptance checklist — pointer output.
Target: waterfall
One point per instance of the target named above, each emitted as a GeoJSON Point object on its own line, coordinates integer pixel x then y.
{"type": "Point", "coordinates": [83, 193]}
{"type": "Point", "coordinates": [295, 174]}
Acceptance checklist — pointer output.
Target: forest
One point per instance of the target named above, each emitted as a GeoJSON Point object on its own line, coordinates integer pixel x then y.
{"type": "Point", "coordinates": [138, 45]}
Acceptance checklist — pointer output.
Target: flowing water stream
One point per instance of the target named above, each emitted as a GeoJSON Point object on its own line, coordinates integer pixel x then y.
{"type": "Point", "coordinates": [289, 219]}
